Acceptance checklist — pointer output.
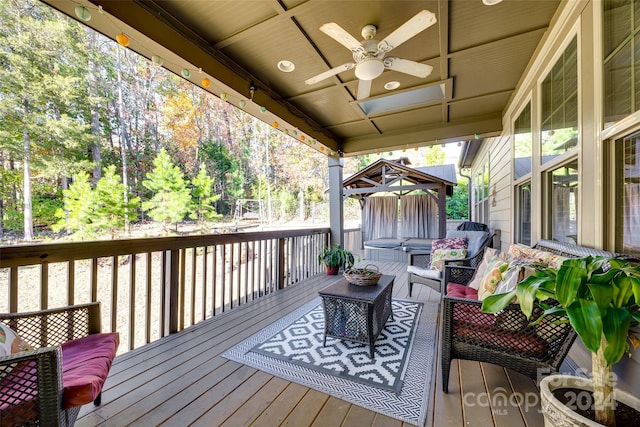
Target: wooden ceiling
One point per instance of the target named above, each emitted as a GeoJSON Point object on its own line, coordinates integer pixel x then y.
{"type": "Point", "coordinates": [478, 54]}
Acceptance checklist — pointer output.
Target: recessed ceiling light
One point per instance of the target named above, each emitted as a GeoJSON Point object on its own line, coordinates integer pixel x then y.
{"type": "Point", "coordinates": [286, 66]}
{"type": "Point", "coordinates": [392, 85]}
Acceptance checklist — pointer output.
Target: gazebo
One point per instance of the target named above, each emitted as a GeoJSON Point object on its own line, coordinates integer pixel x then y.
{"type": "Point", "coordinates": [418, 194]}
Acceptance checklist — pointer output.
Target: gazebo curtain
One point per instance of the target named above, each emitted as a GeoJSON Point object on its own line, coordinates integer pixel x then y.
{"type": "Point", "coordinates": [418, 216]}
{"type": "Point", "coordinates": [380, 217]}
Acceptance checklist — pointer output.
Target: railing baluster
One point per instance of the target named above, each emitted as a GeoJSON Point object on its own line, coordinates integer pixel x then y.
{"type": "Point", "coordinates": [94, 279]}
{"type": "Point", "coordinates": [132, 301]}
{"type": "Point", "coordinates": [13, 290]}
{"type": "Point", "coordinates": [149, 277]}
{"type": "Point", "coordinates": [114, 293]}
{"type": "Point", "coordinates": [44, 285]}
{"type": "Point", "coordinates": [214, 274]}
{"type": "Point", "coordinates": [71, 282]}
{"type": "Point", "coordinates": [181, 294]}
{"type": "Point", "coordinates": [224, 276]}
{"type": "Point", "coordinates": [164, 286]}
{"type": "Point", "coordinates": [204, 283]}
{"type": "Point", "coordinates": [193, 285]}
{"type": "Point", "coordinates": [246, 269]}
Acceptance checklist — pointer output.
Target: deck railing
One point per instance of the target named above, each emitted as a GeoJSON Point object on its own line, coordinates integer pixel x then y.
{"type": "Point", "coordinates": [153, 287]}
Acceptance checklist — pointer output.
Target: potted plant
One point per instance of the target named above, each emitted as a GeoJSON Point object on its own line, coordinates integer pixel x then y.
{"type": "Point", "coordinates": [599, 297]}
{"type": "Point", "coordinates": [334, 258]}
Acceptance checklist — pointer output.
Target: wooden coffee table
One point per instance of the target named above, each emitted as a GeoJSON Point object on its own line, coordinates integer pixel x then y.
{"type": "Point", "coordinates": [357, 313]}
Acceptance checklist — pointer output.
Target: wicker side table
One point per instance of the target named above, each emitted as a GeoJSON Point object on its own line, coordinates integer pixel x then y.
{"type": "Point", "coordinates": [357, 313]}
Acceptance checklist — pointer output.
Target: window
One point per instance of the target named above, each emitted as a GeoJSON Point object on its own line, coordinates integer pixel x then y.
{"type": "Point", "coordinates": [563, 200]}
{"type": "Point", "coordinates": [522, 138]}
{"type": "Point", "coordinates": [621, 48]}
{"type": "Point", "coordinates": [559, 103]}
{"type": "Point", "coordinates": [523, 212]}
{"type": "Point", "coordinates": [627, 194]}
{"type": "Point", "coordinates": [481, 194]}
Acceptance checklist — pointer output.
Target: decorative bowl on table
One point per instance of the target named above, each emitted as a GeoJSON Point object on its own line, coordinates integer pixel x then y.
{"type": "Point", "coordinates": [367, 276]}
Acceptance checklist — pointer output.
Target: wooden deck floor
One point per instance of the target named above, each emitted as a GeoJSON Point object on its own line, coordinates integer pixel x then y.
{"type": "Point", "coordinates": [182, 380]}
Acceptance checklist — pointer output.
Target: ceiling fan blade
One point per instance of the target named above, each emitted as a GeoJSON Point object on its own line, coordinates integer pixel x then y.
{"type": "Point", "coordinates": [420, 22]}
{"type": "Point", "coordinates": [340, 35]}
{"type": "Point", "coordinates": [364, 89]}
{"type": "Point", "coordinates": [329, 73]}
{"type": "Point", "coordinates": [407, 66]}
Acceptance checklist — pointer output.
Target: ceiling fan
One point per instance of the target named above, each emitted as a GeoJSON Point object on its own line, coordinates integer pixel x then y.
{"type": "Point", "coordinates": [369, 54]}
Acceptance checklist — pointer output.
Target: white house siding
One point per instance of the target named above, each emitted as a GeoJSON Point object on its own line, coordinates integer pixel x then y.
{"type": "Point", "coordinates": [581, 18]}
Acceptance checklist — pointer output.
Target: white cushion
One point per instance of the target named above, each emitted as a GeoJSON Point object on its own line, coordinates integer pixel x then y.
{"type": "Point", "coordinates": [424, 272]}
{"type": "Point", "coordinates": [489, 254]}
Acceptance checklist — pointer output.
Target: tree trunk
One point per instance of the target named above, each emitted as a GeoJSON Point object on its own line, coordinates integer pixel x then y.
{"type": "Point", "coordinates": [123, 142]}
{"type": "Point", "coordinates": [603, 387]}
{"type": "Point", "coordinates": [92, 88]}
{"type": "Point", "coordinates": [26, 185]}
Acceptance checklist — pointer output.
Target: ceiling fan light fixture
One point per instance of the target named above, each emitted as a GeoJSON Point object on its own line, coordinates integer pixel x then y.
{"type": "Point", "coordinates": [392, 85]}
{"type": "Point", "coordinates": [491, 2]}
{"type": "Point", "coordinates": [286, 66]}
{"type": "Point", "coordinates": [369, 69]}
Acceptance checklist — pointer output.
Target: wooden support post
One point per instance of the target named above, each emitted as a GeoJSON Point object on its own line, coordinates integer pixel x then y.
{"type": "Point", "coordinates": [336, 208]}
{"type": "Point", "coordinates": [442, 211]}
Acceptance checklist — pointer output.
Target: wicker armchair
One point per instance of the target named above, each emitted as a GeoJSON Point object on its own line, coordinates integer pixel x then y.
{"type": "Point", "coordinates": [434, 278]}
{"type": "Point", "coordinates": [507, 339]}
{"type": "Point", "coordinates": [31, 382]}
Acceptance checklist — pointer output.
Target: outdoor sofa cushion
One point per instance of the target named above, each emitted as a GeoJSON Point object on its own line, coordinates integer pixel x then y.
{"type": "Point", "coordinates": [470, 323]}
{"type": "Point", "coordinates": [385, 243]}
{"type": "Point", "coordinates": [425, 272]}
{"type": "Point", "coordinates": [85, 366]}
{"type": "Point", "coordinates": [417, 244]}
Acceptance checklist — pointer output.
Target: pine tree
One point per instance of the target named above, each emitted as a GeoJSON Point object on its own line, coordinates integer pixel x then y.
{"type": "Point", "coordinates": [79, 203]}
{"type": "Point", "coordinates": [171, 198]}
{"type": "Point", "coordinates": [203, 197]}
{"type": "Point", "coordinates": [111, 210]}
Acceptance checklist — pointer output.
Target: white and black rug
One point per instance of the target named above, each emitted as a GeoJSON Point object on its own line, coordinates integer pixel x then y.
{"type": "Point", "coordinates": [395, 383]}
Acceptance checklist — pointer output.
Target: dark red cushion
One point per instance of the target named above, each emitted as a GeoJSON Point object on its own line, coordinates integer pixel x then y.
{"type": "Point", "coordinates": [501, 339]}
{"type": "Point", "coordinates": [461, 291]}
{"type": "Point", "coordinates": [85, 366]}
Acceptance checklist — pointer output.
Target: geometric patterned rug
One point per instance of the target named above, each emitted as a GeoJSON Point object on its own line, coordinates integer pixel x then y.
{"type": "Point", "coordinates": [395, 383]}
{"type": "Point", "coordinates": [301, 343]}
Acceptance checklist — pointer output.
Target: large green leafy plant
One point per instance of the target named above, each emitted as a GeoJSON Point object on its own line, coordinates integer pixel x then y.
{"type": "Point", "coordinates": [599, 297]}
{"type": "Point", "coordinates": [335, 256]}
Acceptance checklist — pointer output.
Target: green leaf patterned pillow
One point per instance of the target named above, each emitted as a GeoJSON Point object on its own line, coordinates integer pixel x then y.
{"type": "Point", "coordinates": [439, 256]}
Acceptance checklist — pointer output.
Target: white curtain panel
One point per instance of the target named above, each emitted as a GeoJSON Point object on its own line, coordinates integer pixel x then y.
{"type": "Point", "coordinates": [419, 216]}
{"type": "Point", "coordinates": [632, 216]}
{"type": "Point", "coordinates": [380, 217]}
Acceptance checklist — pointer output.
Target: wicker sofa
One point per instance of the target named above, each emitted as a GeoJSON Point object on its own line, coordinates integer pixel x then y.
{"type": "Point", "coordinates": [66, 368]}
{"type": "Point", "coordinates": [507, 339]}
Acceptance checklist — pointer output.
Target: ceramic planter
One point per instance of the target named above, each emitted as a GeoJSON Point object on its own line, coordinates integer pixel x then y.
{"type": "Point", "coordinates": [332, 271]}
{"type": "Point", "coordinates": [557, 414]}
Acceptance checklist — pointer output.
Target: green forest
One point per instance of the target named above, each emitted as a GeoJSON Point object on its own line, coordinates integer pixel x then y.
{"type": "Point", "coordinates": [95, 139]}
